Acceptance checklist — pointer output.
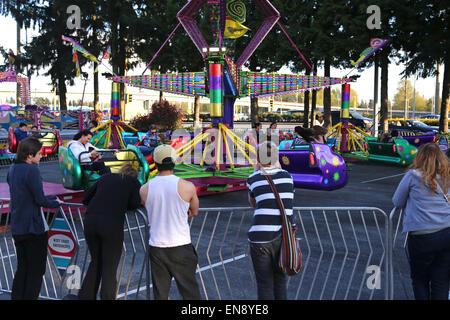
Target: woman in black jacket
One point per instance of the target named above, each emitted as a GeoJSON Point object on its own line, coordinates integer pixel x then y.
{"type": "Point", "coordinates": [107, 202]}
{"type": "Point", "coordinates": [28, 226]}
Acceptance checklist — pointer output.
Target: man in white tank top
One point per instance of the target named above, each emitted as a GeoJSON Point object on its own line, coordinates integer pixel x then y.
{"type": "Point", "coordinates": [169, 201]}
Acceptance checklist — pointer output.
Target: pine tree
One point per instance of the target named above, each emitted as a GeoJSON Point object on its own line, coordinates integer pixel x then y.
{"type": "Point", "coordinates": [424, 29]}
{"type": "Point", "coordinates": [48, 50]}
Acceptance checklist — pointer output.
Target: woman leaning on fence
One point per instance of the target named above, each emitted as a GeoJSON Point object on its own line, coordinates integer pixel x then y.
{"type": "Point", "coordinates": [264, 235]}
{"type": "Point", "coordinates": [107, 202]}
{"type": "Point", "coordinates": [28, 225]}
{"type": "Point", "coordinates": [424, 195]}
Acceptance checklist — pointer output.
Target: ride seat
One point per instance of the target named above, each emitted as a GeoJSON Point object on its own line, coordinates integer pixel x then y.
{"type": "Point", "coordinates": [73, 177]}
{"type": "Point", "coordinates": [12, 140]}
{"type": "Point", "coordinates": [51, 142]}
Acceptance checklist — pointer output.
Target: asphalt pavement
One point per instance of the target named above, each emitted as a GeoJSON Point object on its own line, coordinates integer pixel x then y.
{"type": "Point", "coordinates": [330, 271]}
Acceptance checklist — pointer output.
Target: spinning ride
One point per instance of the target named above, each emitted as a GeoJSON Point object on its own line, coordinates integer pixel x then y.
{"type": "Point", "coordinates": [51, 142]}
{"type": "Point", "coordinates": [223, 82]}
{"type": "Point", "coordinates": [350, 139]}
{"type": "Point", "coordinates": [313, 166]}
{"type": "Point", "coordinates": [399, 152]}
{"type": "Point", "coordinates": [22, 80]}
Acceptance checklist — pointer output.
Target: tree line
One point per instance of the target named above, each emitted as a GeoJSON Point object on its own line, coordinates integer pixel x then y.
{"type": "Point", "coordinates": [329, 33]}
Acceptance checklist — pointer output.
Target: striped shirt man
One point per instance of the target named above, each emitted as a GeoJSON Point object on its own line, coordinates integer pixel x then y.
{"type": "Point", "coordinates": [266, 224]}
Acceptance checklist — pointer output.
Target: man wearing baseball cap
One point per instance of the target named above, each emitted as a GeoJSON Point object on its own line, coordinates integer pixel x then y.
{"type": "Point", "coordinates": [169, 201]}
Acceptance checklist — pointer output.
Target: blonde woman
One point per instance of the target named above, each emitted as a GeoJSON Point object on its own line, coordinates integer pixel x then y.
{"type": "Point", "coordinates": [424, 195]}
{"type": "Point", "coordinates": [107, 202]}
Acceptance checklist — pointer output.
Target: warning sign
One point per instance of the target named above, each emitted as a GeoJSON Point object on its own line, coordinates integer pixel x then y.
{"type": "Point", "coordinates": [61, 243]}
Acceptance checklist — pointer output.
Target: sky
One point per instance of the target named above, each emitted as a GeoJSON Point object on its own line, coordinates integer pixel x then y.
{"type": "Point", "coordinates": [363, 86]}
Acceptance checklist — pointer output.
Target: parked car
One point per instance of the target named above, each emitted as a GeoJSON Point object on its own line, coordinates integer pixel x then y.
{"type": "Point", "coordinates": [431, 116]}
{"type": "Point", "coordinates": [356, 119]}
{"type": "Point", "coordinates": [411, 125]}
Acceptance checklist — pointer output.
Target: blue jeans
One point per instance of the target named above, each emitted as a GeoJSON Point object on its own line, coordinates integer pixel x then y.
{"type": "Point", "coordinates": [270, 279]}
{"type": "Point", "coordinates": [429, 259]}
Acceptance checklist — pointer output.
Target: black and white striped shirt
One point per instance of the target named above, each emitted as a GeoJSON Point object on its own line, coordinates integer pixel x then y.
{"type": "Point", "coordinates": [266, 224]}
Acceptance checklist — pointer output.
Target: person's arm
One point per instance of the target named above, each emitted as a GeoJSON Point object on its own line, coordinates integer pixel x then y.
{"type": "Point", "coordinates": [89, 194]}
{"type": "Point", "coordinates": [401, 195]}
{"type": "Point", "coordinates": [251, 196]}
{"type": "Point", "coordinates": [143, 192]}
{"type": "Point", "coordinates": [37, 190]}
{"type": "Point", "coordinates": [135, 198]}
{"type": "Point", "coordinates": [251, 200]}
{"type": "Point", "coordinates": [194, 203]}
{"type": "Point", "coordinates": [291, 190]}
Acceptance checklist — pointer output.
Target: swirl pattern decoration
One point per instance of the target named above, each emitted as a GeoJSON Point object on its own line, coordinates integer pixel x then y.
{"type": "Point", "coordinates": [376, 42]}
{"type": "Point", "coordinates": [236, 10]}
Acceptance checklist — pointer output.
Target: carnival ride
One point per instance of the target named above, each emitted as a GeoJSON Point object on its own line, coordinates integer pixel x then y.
{"type": "Point", "coordinates": [113, 127]}
{"type": "Point", "coordinates": [419, 139]}
{"type": "Point", "coordinates": [76, 178]}
{"type": "Point", "coordinates": [22, 80]}
{"type": "Point", "coordinates": [349, 138]}
{"type": "Point", "coordinates": [51, 142]}
{"type": "Point", "coordinates": [399, 152]}
{"type": "Point", "coordinates": [223, 82]}
{"type": "Point", "coordinates": [24, 112]}
{"type": "Point", "coordinates": [50, 139]}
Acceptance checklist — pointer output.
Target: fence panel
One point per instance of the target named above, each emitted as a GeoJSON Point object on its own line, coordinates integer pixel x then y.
{"type": "Point", "coordinates": [344, 252]}
{"type": "Point", "coordinates": [133, 271]}
{"type": "Point", "coordinates": [401, 287]}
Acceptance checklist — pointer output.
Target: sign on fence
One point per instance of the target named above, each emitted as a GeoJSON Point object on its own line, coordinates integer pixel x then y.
{"type": "Point", "coordinates": [61, 243]}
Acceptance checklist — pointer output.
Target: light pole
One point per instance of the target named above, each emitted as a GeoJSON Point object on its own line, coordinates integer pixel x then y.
{"type": "Point", "coordinates": [85, 77]}
{"type": "Point", "coordinates": [406, 102]}
{"type": "Point", "coordinates": [414, 99]}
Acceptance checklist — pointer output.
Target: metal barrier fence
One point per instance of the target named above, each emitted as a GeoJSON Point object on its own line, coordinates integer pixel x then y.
{"type": "Point", "coordinates": [401, 287]}
{"type": "Point", "coordinates": [133, 271]}
{"type": "Point", "coordinates": [346, 255]}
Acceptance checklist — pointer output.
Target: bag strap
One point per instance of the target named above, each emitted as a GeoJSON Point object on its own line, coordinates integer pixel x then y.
{"type": "Point", "coordinates": [277, 196]}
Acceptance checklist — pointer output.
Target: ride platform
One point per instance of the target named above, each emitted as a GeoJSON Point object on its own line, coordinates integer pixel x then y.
{"type": "Point", "coordinates": [50, 189]}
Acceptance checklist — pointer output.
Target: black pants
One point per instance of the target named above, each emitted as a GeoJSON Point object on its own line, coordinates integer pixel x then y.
{"type": "Point", "coordinates": [31, 257]}
{"type": "Point", "coordinates": [97, 166]}
{"type": "Point", "coordinates": [105, 242]}
{"type": "Point", "coordinates": [177, 262]}
{"type": "Point", "coordinates": [270, 279]}
{"type": "Point", "coordinates": [429, 256]}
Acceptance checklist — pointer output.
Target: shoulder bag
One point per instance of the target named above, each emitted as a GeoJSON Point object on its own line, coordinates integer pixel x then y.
{"type": "Point", "coordinates": [290, 260]}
